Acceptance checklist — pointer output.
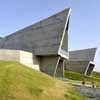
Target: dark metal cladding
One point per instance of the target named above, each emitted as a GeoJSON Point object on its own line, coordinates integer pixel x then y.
{"type": "Point", "coordinates": [42, 38]}
{"type": "Point", "coordinates": [81, 61]}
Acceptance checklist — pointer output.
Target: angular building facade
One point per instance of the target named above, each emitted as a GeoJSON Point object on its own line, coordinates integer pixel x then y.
{"type": "Point", "coordinates": [47, 40]}
{"type": "Point", "coordinates": [81, 61]}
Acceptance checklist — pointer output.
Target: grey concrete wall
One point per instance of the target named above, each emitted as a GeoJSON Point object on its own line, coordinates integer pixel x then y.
{"type": "Point", "coordinates": [48, 64]}
{"type": "Point", "coordinates": [36, 63]}
{"type": "Point", "coordinates": [29, 59]}
{"type": "Point", "coordinates": [9, 55]}
{"type": "Point", "coordinates": [23, 57]}
{"type": "Point", "coordinates": [26, 58]}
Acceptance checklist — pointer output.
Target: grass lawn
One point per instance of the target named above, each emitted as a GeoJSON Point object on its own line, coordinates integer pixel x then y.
{"type": "Point", "coordinates": [18, 82]}
{"type": "Point", "coordinates": [88, 79]}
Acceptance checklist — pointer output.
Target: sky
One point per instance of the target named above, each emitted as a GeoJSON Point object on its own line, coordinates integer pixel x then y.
{"type": "Point", "coordinates": [84, 21]}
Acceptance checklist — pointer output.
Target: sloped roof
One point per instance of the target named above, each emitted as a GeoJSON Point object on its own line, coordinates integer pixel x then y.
{"type": "Point", "coordinates": [42, 38]}
{"type": "Point", "coordinates": [82, 55]}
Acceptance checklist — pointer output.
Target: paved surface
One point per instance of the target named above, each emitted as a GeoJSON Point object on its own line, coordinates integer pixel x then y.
{"type": "Point", "coordinates": [91, 93]}
{"type": "Point", "coordinates": [87, 90]}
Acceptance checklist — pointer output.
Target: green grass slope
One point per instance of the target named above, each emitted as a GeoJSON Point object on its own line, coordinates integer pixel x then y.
{"type": "Point", "coordinates": [96, 74]}
{"type": "Point", "coordinates": [18, 82]}
{"type": "Point", "coordinates": [78, 77]}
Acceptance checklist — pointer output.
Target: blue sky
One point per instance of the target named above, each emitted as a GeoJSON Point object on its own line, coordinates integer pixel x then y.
{"type": "Point", "coordinates": [84, 22]}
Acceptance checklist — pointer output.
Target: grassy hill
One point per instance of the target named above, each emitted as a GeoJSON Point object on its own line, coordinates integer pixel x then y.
{"type": "Point", "coordinates": [88, 79]}
{"type": "Point", "coordinates": [18, 82]}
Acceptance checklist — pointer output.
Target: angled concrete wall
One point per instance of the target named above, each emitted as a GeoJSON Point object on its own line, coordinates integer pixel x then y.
{"type": "Point", "coordinates": [23, 57]}
{"type": "Point", "coordinates": [9, 55]}
{"type": "Point", "coordinates": [29, 59]}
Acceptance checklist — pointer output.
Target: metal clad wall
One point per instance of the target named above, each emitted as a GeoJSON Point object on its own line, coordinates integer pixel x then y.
{"type": "Point", "coordinates": [79, 60]}
{"type": "Point", "coordinates": [82, 55]}
{"type": "Point", "coordinates": [42, 38]}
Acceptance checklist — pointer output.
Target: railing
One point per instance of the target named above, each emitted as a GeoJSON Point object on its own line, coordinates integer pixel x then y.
{"type": "Point", "coordinates": [64, 53]}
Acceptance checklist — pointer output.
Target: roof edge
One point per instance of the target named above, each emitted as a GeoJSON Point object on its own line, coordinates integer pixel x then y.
{"type": "Point", "coordinates": [59, 53]}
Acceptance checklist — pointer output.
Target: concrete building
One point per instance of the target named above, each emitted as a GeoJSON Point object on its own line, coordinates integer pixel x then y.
{"type": "Point", "coordinates": [81, 61]}
{"type": "Point", "coordinates": [47, 40]}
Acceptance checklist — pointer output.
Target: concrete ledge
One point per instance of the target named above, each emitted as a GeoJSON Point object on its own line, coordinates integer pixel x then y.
{"type": "Point", "coordinates": [23, 57]}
